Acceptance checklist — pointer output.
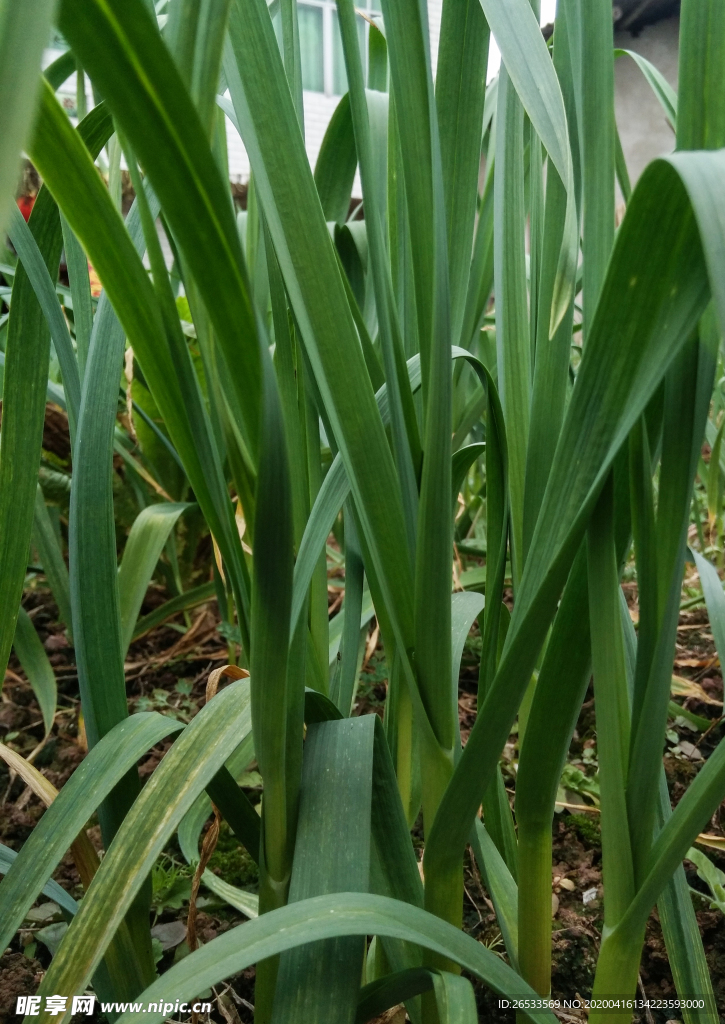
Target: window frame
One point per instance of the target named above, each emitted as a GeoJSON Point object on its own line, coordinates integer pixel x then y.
{"type": "Point", "coordinates": [329, 9]}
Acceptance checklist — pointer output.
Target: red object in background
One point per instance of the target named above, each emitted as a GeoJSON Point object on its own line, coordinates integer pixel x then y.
{"type": "Point", "coordinates": [25, 205]}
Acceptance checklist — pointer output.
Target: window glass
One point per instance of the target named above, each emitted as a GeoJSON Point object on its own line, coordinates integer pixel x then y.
{"type": "Point", "coordinates": [321, 50]}
{"type": "Point", "coordinates": [310, 22]}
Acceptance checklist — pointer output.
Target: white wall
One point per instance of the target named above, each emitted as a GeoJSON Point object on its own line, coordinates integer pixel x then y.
{"type": "Point", "coordinates": [435, 8]}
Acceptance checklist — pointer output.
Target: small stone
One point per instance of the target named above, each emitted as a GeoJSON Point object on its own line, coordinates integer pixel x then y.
{"type": "Point", "coordinates": [56, 642]}
{"type": "Point", "coordinates": [169, 933]}
{"type": "Point", "coordinates": [589, 896]}
{"type": "Point", "coordinates": [690, 750]}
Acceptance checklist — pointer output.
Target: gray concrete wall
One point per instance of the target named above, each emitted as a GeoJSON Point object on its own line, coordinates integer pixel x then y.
{"type": "Point", "coordinates": [644, 132]}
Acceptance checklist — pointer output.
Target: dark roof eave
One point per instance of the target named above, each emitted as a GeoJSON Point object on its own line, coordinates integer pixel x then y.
{"type": "Point", "coordinates": [633, 15]}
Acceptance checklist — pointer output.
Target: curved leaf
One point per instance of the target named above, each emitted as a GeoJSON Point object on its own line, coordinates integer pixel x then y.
{"type": "Point", "coordinates": [51, 558]}
{"type": "Point", "coordinates": [661, 299]}
{"type": "Point", "coordinates": [123, 52]}
{"type": "Point", "coordinates": [181, 603]}
{"type": "Point", "coordinates": [336, 164]}
{"type": "Point", "coordinates": [51, 889]}
{"type": "Point", "coordinates": [324, 917]}
{"type": "Point", "coordinates": [44, 288]}
{"type": "Point", "coordinates": [87, 787]}
{"type": "Point", "coordinates": [24, 394]}
{"type": "Point", "coordinates": [145, 543]}
{"type": "Point", "coordinates": [529, 67]}
{"type": "Point", "coordinates": [660, 86]}
{"type": "Point", "coordinates": [22, 41]}
{"type": "Point", "coordinates": [31, 655]}
{"type": "Point", "coordinates": [185, 771]}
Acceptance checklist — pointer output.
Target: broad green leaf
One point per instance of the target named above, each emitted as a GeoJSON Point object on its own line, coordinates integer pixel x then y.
{"type": "Point", "coordinates": [145, 543]}
{"type": "Point", "coordinates": [690, 969]}
{"type": "Point", "coordinates": [710, 874]}
{"type": "Point", "coordinates": [205, 31]}
{"type": "Point", "coordinates": [301, 240]}
{"type": "Point", "coordinates": [193, 822]}
{"type": "Point", "coordinates": [597, 137]}
{"type": "Point", "coordinates": [513, 346]}
{"type": "Point", "coordinates": [94, 586]}
{"type": "Point", "coordinates": [662, 308]}
{"type": "Point", "coordinates": [714, 598]}
{"type": "Point", "coordinates": [369, 111]}
{"type": "Point", "coordinates": [326, 917]}
{"type": "Point", "coordinates": [332, 854]}
{"type": "Point", "coordinates": [701, 106]}
{"type": "Point", "coordinates": [349, 790]}
{"type": "Point", "coordinates": [560, 688]}
{"type": "Point", "coordinates": [44, 288]}
{"type": "Point", "coordinates": [181, 603]}
{"type": "Point", "coordinates": [26, 361]}
{"type": "Point", "coordinates": [79, 281]}
{"type": "Point", "coordinates": [22, 41]}
{"type": "Point", "coordinates": [336, 164]}
{"type": "Point", "coordinates": [612, 706]}
{"type": "Point", "coordinates": [175, 389]}
{"type": "Point", "coordinates": [502, 888]}
{"type": "Point", "coordinates": [456, 1002]}
{"type": "Point", "coordinates": [277, 663]}
{"type": "Point", "coordinates": [688, 387]}
{"type": "Point", "coordinates": [350, 640]}
{"type": "Point", "coordinates": [124, 55]}
{"type": "Point", "coordinates": [104, 766]}
{"type": "Point", "coordinates": [31, 655]}
{"type": "Point", "coordinates": [460, 94]}
{"type": "Point", "coordinates": [390, 990]}
{"type": "Point", "coordinates": [188, 767]}
{"type": "Point", "coordinates": [51, 558]}
{"type": "Point", "coordinates": [660, 86]}
{"type": "Point", "coordinates": [51, 889]}
{"type": "Point", "coordinates": [418, 133]}
{"type": "Point", "coordinates": [526, 59]}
